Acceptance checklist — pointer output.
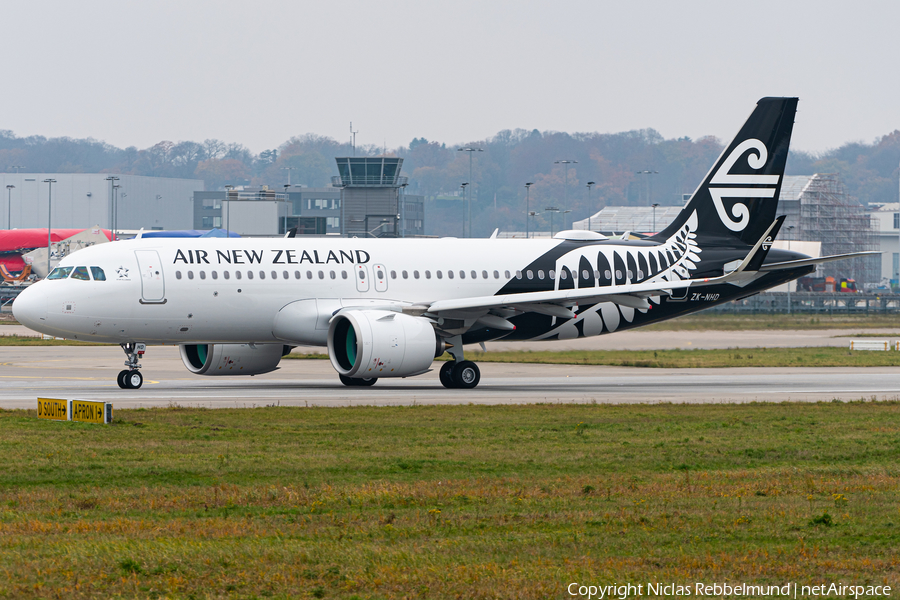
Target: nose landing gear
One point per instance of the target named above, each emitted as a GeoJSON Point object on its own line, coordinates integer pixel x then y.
{"type": "Point", "coordinates": [131, 378]}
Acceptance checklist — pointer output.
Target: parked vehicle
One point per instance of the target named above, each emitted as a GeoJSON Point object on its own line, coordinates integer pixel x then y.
{"type": "Point", "coordinates": [828, 285]}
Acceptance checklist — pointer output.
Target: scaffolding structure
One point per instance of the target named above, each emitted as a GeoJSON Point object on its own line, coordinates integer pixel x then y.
{"type": "Point", "coordinates": [818, 209]}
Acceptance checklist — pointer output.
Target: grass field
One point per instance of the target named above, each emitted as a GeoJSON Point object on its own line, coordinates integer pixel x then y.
{"type": "Point", "coordinates": [737, 322]}
{"type": "Point", "coordinates": [30, 340]}
{"type": "Point", "coordinates": [673, 359]}
{"type": "Point", "coordinates": [742, 357]}
{"type": "Point", "coordinates": [447, 502]}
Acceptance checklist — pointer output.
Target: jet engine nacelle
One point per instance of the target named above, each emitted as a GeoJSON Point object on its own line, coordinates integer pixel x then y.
{"type": "Point", "coordinates": [232, 359]}
{"type": "Point", "coordinates": [380, 343]}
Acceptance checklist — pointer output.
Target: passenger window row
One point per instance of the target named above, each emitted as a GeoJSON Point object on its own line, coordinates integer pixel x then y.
{"type": "Point", "coordinates": [440, 274]}
{"type": "Point", "coordinates": [585, 274]}
{"type": "Point", "coordinates": [263, 275]}
{"type": "Point", "coordinates": [81, 273]}
{"type": "Point", "coordinates": [334, 275]}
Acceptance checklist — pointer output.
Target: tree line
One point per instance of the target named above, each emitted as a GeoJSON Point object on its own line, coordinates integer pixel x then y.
{"type": "Point", "coordinates": [632, 168]}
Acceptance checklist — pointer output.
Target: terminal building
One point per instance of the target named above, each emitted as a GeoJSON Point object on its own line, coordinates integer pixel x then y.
{"type": "Point", "coordinates": [367, 199]}
{"type": "Point", "coordinates": [81, 200]}
{"type": "Point", "coordinates": [261, 211]}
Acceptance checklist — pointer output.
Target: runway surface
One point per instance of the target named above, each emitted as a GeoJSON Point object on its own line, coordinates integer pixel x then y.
{"type": "Point", "coordinates": [89, 373]}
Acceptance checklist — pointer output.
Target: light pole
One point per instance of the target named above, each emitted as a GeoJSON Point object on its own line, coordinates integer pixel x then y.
{"type": "Point", "coordinates": [288, 169]}
{"type": "Point", "coordinates": [9, 190]}
{"type": "Point", "coordinates": [527, 205]}
{"type": "Point", "coordinates": [551, 210]}
{"type": "Point", "coordinates": [468, 220]}
{"type": "Point", "coordinates": [649, 183]}
{"type": "Point", "coordinates": [49, 183]}
{"type": "Point", "coordinates": [654, 216]}
{"type": "Point", "coordinates": [116, 211]}
{"type": "Point", "coordinates": [112, 179]}
{"type": "Point", "coordinates": [566, 188]}
{"type": "Point", "coordinates": [532, 213]}
{"type": "Point", "coordinates": [590, 184]}
{"type": "Point", "coordinates": [16, 167]}
{"type": "Point", "coordinates": [286, 201]}
{"type": "Point", "coordinates": [790, 229]}
{"type": "Point", "coordinates": [465, 205]}
{"type": "Point", "coordinates": [402, 195]}
{"type": "Point", "coordinates": [228, 189]}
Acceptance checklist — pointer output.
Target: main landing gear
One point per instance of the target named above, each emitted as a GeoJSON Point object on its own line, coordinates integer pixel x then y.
{"type": "Point", "coordinates": [131, 378]}
{"type": "Point", "coordinates": [459, 373]}
{"type": "Point", "coordinates": [353, 382]}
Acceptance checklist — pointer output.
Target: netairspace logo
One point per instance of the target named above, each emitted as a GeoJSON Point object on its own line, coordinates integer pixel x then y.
{"type": "Point", "coordinates": [789, 590]}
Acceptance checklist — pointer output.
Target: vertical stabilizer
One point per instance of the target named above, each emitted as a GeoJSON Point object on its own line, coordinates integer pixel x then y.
{"type": "Point", "coordinates": [739, 196]}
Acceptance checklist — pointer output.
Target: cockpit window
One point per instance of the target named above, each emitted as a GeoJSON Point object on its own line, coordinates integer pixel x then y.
{"type": "Point", "coordinates": [60, 273]}
{"type": "Point", "coordinates": [81, 273]}
{"type": "Point", "coordinates": [98, 274]}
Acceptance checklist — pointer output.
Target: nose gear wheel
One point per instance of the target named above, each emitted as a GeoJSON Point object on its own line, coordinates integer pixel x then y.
{"type": "Point", "coordinates": [131, 378]}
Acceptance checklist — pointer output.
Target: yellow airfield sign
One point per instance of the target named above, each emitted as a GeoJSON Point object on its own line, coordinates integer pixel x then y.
{"type": "Point", "coordinates": [55, 409]}
{"type": "Point", "coordinates": [88, 411]}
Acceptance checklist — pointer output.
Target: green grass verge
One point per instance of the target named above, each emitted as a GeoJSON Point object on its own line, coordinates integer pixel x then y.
{"type": "Point", "coordinates": [738, 322]}
{"type": "Point", "coordinates": [673, 359]}
{"type": "Point", "coordinates": [27, 340]}
{"type": "Point", "coordinates": [447, 502]}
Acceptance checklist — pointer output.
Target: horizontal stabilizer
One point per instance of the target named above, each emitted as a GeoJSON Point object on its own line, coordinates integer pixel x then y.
{"type": "Point", "coordinates": [806, 262]}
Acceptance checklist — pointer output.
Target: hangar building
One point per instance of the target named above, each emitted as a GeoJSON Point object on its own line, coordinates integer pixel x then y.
{"type": "Point", "coordinates": [81, 200]}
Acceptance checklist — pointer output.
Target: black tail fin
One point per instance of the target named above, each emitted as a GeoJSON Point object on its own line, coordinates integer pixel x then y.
{"type": "Point", "coordinates": [739, 196]}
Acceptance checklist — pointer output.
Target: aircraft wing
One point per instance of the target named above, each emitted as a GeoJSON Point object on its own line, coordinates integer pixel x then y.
{"type": "Point", "coordinates": [633, 295]}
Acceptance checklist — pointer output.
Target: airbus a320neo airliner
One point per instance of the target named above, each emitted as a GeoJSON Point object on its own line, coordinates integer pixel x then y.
{"type": "Point", "coordinates": [388, 307]}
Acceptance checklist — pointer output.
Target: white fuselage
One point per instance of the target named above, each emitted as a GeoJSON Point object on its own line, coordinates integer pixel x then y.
{"type": "Point", "coordinates": [163, 291]}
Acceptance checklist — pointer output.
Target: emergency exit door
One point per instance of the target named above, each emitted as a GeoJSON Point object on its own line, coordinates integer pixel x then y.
{"type": "Point", "coordinates": [362, 278]}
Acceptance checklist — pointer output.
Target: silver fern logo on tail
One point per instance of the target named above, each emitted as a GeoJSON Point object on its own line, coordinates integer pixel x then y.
{"type": "Point", "coordinates": [756, 160]}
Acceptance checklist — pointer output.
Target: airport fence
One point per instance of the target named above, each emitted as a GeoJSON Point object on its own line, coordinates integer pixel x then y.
{"type": "Point", "coordinates": [813, 303]}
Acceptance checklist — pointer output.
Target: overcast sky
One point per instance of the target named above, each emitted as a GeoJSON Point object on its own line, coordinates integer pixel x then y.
{"type": "Point", "coordinates": [257, 73]}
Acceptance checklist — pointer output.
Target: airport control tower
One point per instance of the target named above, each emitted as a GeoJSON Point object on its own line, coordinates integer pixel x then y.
{"type": "Point", "coordinates": [373, 199]}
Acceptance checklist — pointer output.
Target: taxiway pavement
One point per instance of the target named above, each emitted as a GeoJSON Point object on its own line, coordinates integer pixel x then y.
{"type": "Point", "coordinates": [27, 373]}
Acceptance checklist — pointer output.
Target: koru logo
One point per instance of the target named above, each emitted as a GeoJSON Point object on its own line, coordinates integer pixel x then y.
{"type": "Point", "coordinates": [722, 176]}
{"type": "Point", "coordinates": [122, 272]}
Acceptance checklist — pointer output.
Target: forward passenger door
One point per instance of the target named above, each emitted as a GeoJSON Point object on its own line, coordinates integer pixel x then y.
{"type": "Point", "coordinates": [153, 285]}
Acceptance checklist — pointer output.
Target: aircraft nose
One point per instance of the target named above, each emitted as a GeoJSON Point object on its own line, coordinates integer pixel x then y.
{"type": "Point", "coordinates": [30, 307]}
